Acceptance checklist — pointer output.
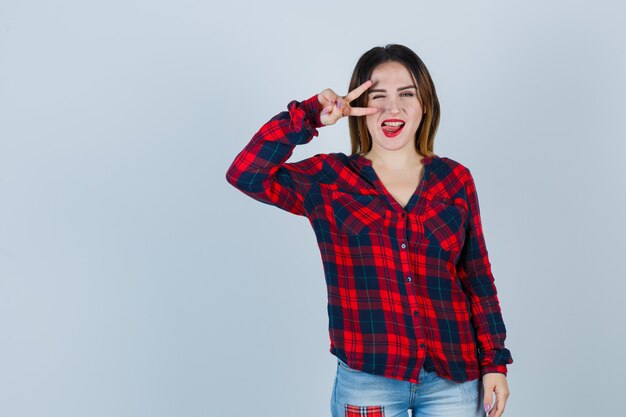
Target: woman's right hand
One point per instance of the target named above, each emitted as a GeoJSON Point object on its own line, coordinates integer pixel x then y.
{"type": "Point", "coordinates": [335, 107]}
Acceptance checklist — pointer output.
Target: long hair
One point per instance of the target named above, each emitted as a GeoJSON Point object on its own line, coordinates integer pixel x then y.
{"type": "Point", "coordinates": [427, 95]}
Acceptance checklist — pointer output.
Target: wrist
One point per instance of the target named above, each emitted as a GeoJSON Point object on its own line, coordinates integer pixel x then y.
{"type": "Point", "coordinates": [312, 109]}
{"type": "Point", "coordinates": [501, 369]}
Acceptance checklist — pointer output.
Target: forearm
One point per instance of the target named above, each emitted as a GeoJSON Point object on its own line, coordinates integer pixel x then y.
{"type": "Point", "coordinates": [260, 169]}
{"type": "Point", "coordinates": [474, 272]}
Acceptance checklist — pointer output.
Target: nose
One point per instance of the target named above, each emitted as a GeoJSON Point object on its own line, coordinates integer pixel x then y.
{"type": "Point", "coordinates": [392, 106]}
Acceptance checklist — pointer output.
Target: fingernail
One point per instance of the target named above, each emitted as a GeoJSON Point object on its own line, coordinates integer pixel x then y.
{"type": "Point", "coordinates": [487, 407]}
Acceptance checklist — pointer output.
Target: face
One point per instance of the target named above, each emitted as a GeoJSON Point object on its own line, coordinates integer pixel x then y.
{"type": "Point", "coordinates": [394, 92]}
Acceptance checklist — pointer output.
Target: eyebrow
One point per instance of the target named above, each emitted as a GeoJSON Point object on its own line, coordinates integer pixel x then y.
{"type": "Point", "coordinates": [378, 90]}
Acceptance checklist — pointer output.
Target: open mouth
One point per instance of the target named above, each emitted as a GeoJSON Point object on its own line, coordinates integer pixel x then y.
{"type": "Point", "coordinates": [392, 128]}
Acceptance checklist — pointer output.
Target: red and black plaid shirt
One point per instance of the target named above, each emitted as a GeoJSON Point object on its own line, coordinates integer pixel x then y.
{"type": "Point", "coordinates": [407, 286]}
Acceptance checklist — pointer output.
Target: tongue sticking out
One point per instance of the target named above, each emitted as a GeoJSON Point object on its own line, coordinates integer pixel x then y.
{"type": "Point", "coordinates": [392, 129]}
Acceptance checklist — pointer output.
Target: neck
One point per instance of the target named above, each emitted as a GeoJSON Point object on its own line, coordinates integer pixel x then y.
{"type": "Point", "coordinates": [394, 160]}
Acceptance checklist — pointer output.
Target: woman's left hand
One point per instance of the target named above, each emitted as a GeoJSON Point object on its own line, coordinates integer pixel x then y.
{"type": "Point", "coordinates": [495, 382]}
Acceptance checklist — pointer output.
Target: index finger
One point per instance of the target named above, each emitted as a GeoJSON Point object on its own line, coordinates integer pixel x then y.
{"type": "Point", "coordinates": [358, 91]}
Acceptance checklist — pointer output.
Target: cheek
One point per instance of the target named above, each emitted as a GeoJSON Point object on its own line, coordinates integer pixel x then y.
{"type": "Point", "coordinates": [416, 112]}
{"type": "Point", "coordinates": [371, 123]}
{"type": "Point", "coordinates": [414, 106]}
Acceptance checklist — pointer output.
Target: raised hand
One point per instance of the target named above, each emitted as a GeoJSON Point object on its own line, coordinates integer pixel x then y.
{"type": "Point", "coordinates": [335, 107]}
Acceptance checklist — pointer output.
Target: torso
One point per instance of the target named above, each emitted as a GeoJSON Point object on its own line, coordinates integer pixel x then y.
{"type": "Point", "coordinates": [402, 185]}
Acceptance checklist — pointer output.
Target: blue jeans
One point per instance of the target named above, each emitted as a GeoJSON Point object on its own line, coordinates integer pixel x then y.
{"type": "Point", "coordinates": [357, 393]}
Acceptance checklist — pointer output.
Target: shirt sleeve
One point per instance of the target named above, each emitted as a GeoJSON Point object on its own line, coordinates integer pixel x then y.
{"type": "Point", "coordinates": [474, 272]}
{"type": "Point", "coordinates": [260, 170]}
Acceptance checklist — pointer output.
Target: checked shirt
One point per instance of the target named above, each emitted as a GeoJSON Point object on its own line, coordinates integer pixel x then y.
{"type": "Point", "coordinates": [407, 286]}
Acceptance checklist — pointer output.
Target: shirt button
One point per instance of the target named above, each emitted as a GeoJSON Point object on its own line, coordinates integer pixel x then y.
{"type": "Point", "coordinates": [402, 214]}
{"type": "Point", "coordinates": [408, 279]}
{"type": "Point", "coordinates": [422, 345]}
{"type": "Point", "coordinates": [403, 245]}
{"type": "Point", "coordinates": [416, 313]}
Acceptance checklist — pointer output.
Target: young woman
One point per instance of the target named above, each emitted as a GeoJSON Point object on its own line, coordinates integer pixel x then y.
{"type": "Point", "coordinates": [414, 316]}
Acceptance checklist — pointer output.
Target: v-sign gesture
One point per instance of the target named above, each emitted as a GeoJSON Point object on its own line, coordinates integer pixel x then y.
{"type": "Point", "coordinates": [335, 107]}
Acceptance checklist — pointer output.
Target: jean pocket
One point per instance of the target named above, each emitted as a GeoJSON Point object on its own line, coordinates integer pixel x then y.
{"type": "Point", "coordinates": [469, 391]}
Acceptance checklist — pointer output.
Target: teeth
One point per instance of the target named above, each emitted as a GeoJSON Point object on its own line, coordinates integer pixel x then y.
{"type": "Point", "coordinates": [393, 123]}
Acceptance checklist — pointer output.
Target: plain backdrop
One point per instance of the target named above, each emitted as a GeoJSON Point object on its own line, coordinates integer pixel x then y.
{"type": "Point", "coordinates": [135, 281]}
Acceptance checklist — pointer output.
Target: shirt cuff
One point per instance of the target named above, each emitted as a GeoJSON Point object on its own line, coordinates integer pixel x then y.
{"type": "Point", "coordinates": [312, 109]}
{"type": "Point", "coordinates": [501, 369]}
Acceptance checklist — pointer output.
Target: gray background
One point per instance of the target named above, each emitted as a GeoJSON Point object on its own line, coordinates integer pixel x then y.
{"type": "Point", "coordinates": [135, 281]}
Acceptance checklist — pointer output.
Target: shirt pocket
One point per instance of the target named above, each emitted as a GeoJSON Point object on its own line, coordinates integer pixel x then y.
{"type": "Point", "coordinates": [357, 213]}
{"type": "Point", "coordinates": [445, 222]}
